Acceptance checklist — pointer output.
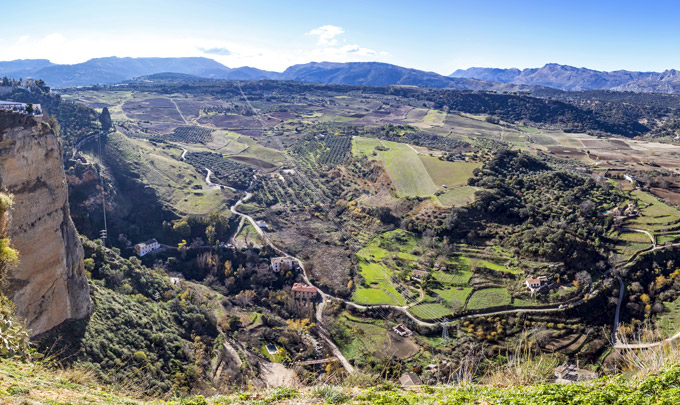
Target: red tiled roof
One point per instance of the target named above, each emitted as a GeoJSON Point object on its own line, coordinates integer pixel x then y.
{"type": "Point", "coordinates": [303, 288]}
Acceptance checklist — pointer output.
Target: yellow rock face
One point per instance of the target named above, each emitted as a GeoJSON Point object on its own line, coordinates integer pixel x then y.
{"type": "Point", "coordinates": [49, 284]}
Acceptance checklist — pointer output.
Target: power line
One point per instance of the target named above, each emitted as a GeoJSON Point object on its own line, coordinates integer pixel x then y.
{"type": "Point", "coordinates": [104, 233]}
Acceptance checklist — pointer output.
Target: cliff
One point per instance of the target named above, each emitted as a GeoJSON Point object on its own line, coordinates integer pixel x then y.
{"type": "Point", "coordinates": [49, 285]}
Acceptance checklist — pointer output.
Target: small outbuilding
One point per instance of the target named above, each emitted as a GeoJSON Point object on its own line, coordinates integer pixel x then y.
{"type": "Point", "coordinates": [410, 380]}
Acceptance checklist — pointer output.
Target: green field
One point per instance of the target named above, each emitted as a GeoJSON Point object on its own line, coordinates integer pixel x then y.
{"type": "Point", "coordinates": [454, 297]}
{"type": "Point", "coordinates": [655, 215]}
{"type": "Point", "coordinates": [430, 311]}
{"type": "Point", "coordinates": [380, 290]}
{"type": "Point", "coordinates": [376, 271]}
{"type": "Point", "coordinates": [457, 197]}
{"type": "Point", "coordinates": [458, 278]}
{"type": "Point", "coordinates": [450, 174]}
{"type": "Point", "coordinates": [489, 297]}
{"type": "Point", "coordinates": [413, 174]}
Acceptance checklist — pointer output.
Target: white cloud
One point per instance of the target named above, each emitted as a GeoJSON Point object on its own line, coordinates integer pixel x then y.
{"type": "Point", "coordinates": [326, 34]}
{"type": "Point", "coordinates": [269, 56]}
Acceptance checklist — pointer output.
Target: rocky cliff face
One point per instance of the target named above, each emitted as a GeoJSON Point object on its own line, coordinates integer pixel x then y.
{"type": "Point", "coordinates": [49, 284]}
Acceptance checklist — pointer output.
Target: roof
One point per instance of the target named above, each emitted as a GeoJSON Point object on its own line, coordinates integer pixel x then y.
{"type": "Point", "coordinates": [147, 243]}
{"type": "Point", "coordinates": [536, 280]}
{"type": "Point", "coordinates": [410, 379]}
{"type": "Point", "coordinates": [282, 259]}
{"type": "Point", "coordinates": [304, 288]}
{"type": "Point", "coordinates": [10, 103]}
{"type": "Point", "coordinates": [420, 272]}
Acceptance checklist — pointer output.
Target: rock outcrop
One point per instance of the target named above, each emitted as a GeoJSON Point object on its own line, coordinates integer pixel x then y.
{"type": "Point", "coordinates": [49, 284]}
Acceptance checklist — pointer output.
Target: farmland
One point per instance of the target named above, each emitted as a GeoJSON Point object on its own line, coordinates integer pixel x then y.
{"type": "Point", "coordinates": [177, 184]}
{"type": "Point", "coordinates": [372, 193]}
{"type": "Point", "coordinates": [415, 174]}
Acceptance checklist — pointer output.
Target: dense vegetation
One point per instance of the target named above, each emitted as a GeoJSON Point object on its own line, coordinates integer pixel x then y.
{"type": "Point", "coordinates": [552, 214]}
{"type": "Point", "coordinates": [142, 328]}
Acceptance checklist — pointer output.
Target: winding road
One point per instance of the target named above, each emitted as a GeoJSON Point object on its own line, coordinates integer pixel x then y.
{"type": "Point", "coordinates": [325, 297]}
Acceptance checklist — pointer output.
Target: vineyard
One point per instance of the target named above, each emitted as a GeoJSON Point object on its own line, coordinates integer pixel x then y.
{"type": "Point", "coordinates": [338, 149]}
{"type": "Point", "coordinates": [191, 134]}
{"type": "Point", "coordinates": [234, 174]}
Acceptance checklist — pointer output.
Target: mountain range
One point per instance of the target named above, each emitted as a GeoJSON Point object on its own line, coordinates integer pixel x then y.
{"type": "Point", "coordinates": [571, 78]}
{"type": "Point", "coordinates": [115, 70]}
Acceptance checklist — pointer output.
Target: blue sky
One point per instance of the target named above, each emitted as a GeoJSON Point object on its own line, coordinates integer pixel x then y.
{"type": "Point", "coordinates": [431, 35]}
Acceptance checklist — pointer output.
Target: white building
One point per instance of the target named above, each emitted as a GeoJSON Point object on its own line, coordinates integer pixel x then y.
{"type": "Point", "coordinates": [22, 108]}
{"type": "Point", "coordinates": [147, 247]}
{"type": "Point", "coordinates": [283, 263]}
{"type": "Point", "coordinates": [536, 283]}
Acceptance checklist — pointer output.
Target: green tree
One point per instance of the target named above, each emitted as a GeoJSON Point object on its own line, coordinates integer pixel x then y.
{"type": "Point", "coordinates": [105, 119]}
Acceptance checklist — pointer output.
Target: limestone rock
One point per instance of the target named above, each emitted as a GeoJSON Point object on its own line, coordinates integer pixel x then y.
{"type": "Point", "coordinates": [49, 285]}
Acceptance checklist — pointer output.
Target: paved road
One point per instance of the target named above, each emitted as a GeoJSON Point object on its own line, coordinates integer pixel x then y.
{"type": "Point", "coordinates": [324, 297]}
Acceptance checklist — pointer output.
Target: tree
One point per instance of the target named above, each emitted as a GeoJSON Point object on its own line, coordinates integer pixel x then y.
{"type": "Point", "coordinates": [105, 119]}
{"type": "Point", "coordinates": [182, 228]}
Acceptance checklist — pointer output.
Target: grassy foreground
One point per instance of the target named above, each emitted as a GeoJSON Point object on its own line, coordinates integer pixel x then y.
{"type": "Point", "coordinates": [31, 383]}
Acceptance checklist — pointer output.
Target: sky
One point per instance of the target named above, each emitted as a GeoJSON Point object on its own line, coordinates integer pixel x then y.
{"type": "Point", "coordinates": [439, 36]}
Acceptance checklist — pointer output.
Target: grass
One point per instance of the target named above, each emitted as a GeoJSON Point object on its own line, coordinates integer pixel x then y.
{"type": "Point", "coordinates": [450, 174]}
{"type": "Point", "coordinates": [381, 290]}
{"type": "Point", "coordinates": [413, 174]}
{"type": "Point", "coordinates": [247, 235]}
{"type": "Point", "coordinates": [655, 214]}
{"type": "Point", "coordinates": [459, 277]}
{"type": "Point", "coordinates": [376, 267]}
{"type": "Point", "coordinates": [278, 357]}
{"type": "Point", "coordinates": [457, 197]}
{"type": "Point", "coordinates": [55, 387]}
{"type": "Point", "coordinates": [430, 311]}
{"type": "Point", "coordinates": [489, 297]}
{"type": "Point", "coordinates": [368, 335]}
{"type": "Point", "coordinates": [669, 320]}
{"type": "Point", "coordinates": [407, 171]}
{"type": "Point", "coordinates": [177, 184]}
{"type": "Point", "coordinates": [434, 118]}
{"type": "Point", "coordinates": [454, 297]}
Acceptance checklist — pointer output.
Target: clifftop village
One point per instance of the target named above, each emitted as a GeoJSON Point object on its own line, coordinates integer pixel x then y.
{"type": "Point", "coordinates": [34, 110]}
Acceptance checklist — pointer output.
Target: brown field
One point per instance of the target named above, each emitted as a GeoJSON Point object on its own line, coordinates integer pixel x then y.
{"type": "Point", "coordinates": [671, 195]}
{"type": "Point", "coordinates": [231, 121]}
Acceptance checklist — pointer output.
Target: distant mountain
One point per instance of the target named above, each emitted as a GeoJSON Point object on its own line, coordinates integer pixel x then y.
{"type": "Point", "coordinates": [22, 68]}
{"type": "Point", "coordinates": [116, 70]}
{"type": "Point", "coordinates": [570, 78]}
{"type": "Point", "coordinates": [384, 74]}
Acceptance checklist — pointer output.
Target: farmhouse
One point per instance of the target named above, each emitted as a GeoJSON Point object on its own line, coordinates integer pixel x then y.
{"type": "Point", "coordinates": [419, 274]}
{"type": "Point", "coordinates": [283, 263]}
{"type": "Point", "coordinates": [536, 283]}
{"type": "Point", "coordinates": [402, 330]}
{"type": "Point", "coordinates": [304, 292]}
{"type": "Point", "coordinates": [149, 246]}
